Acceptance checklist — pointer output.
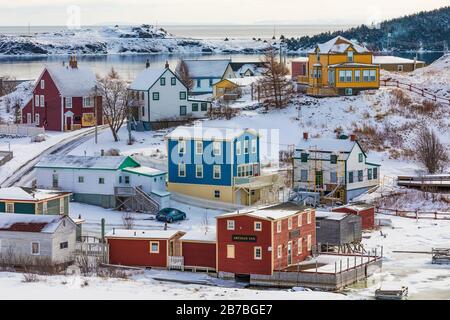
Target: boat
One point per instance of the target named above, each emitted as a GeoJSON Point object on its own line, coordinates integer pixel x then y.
{"type": "Point", "coordinates": [391, 294]}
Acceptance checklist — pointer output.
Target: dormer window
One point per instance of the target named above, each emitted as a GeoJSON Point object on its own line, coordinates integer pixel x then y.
{"type": "Point", "coordinates": [350, 56]}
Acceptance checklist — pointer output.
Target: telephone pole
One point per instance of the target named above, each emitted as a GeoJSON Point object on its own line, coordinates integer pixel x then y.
{"type": "Point", "coordinates": [96, 115]}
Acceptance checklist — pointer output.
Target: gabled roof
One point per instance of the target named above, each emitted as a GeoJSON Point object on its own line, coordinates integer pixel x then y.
{"type": "Point", "coordinates": [147, 78]}
{"type": "Point", "coordinates": [72, 82]}
{"type": "Point", "coordinates": [207, 68]}
{"type": "Point", "coordinates": [240, 68]}
{"type": "Point", "coordinates": [339, 44]}
{"type": "Point", "coordinates": [207, 133]}
{"type": "Point", "coordinates": [142, 234]}
{"type": "Point", "coordinates": [243, 82]}
{"type": "Point", "coordinates": [326, 145]}
{"type": "Point", "coordinates": [82, 162]}
{"type": "Point", "coordinates": [274, 212]}
{"type": "Point", "coordinates": [28, 194]}
{"type": "Point", "coordinates": [31, 223]}
{"type": "Point", "coordinates": [145, 171]}
{"type": "Point", "coordinates": [393, 60]}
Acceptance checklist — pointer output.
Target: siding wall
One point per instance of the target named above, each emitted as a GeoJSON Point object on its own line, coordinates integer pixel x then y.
{"type": "Point", "coordinates": [199, 254]}
{"type": "Point", "coordinates": [137, 253]}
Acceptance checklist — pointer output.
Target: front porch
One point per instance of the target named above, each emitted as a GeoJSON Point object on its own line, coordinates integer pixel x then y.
{"type": "Point", "coordinates": [249, 191]}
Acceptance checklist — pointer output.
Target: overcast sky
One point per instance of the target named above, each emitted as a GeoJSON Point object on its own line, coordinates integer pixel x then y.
{"type": "Point", "coordinates": [94, 12]}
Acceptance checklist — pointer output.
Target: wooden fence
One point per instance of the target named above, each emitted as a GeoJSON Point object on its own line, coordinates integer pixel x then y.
{"type": "Point", "coordinates": [423, 92]}
{"type": "Point", "coordinates": [425, 215]}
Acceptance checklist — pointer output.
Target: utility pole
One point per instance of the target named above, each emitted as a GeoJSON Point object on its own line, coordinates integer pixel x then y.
{"type": "Point", "coordinates": [96, 115]}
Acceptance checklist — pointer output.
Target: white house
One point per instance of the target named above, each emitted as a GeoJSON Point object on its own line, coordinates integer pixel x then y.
{"type": "Point", "coordinates": [338, 168]}
{"type": "Point", "coordinates": [110, 182]}
{"type": "Point", "coordinates": [28, 238]}
{"type": "Point", "coordinates": [159, 95]}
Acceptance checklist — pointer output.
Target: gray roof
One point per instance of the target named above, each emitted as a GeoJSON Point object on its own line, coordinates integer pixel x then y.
{"type": "Point", "coordinates": [73, 82]}
{"type": "Point", "coordinates": [81, 162]}
{"type": "Point", "coordinates": [147, 78]}
{"type": "Point", "coordinates": [207, 68]}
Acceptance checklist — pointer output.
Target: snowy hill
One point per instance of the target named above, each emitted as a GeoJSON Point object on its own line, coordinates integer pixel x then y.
{"type": "Point", "coordinates": [20, 96]}
{"type": "Point", "coordinates": [120, 40]}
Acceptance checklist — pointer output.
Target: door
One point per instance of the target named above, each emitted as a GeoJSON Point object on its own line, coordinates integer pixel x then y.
{"type": "Point", "coordinates": [68, 123]}
{"type": "Point", "coordinates": [171, 249]}
{"type": "Point", "coordinates": [319, 178]}
{"type": "Point", "coordinates": [289, 253]}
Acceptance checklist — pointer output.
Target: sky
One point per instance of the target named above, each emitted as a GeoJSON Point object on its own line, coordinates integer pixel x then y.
{"type": "Point", "coordinates": [97, 12]}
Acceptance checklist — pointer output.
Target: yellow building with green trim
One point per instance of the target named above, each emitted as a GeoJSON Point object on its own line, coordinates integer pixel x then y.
{"type": "Point", "coordinates": [340, 67]}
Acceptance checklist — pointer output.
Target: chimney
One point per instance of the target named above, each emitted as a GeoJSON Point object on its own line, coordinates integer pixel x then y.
{"type": "Point", "coordinates": [305, 135]}
{"type": "Point", "coordinates": [73, 62]}
{"type": "Point", "coordinates": [353, 137]}
{"type": "Point", "coordinates": [167, 64]}
{"type": "Point", "coordinates": [147, 64]}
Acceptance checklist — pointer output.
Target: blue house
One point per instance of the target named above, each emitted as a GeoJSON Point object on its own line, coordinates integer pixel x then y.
{"type": "Point", "coordinates": [217, 164]}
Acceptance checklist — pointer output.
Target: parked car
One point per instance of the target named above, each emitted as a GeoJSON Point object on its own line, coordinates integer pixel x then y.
{"type": "Point", "coordinates": [170, 215]}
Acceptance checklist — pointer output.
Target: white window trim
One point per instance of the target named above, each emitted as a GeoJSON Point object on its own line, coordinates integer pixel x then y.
{"type": "Point", "coordinates": [254, 147]}
{"type": "Point", "coordinates": [28, 117]}
{"type": "Point", "coordinates": [181, 146]}
{"type": "Point", "coordinates": [218, 143]}
{"type": "Point", "coordinates": [37, 119]}
{"type": "Point", "coordinates": [238, 148]}
{"type": "Point", "coordinates": [309, 242]}
{"type": "Point", "coordinates": [61, 205]}
{"type": "Point", "coordinates": [39, 248]}
{"type": "Point", "coordinates": [246, 147]}
{"type": "Point", "coordinates": [231, 246]}
{"type": "Point", "coordinates": [279, 227]}
{"type": "Point", "coordinates": [300, 220]}
{"type": "Point", "coordinates": [42, 84]}
{"type": "Point", "coordinates": [214, 172]}
{"type": "Point", "coordinates": [196, 171]}
{"type": "Point", "coordinates": [89, 105]}
{"type": "Point", "coordinates": [260, 226]}
{"type": "Point", "coordinates": [308, 220]}
{"type": "Point", "coordinates": [42, 100]}
{"type": "Point", "coordinates": [290, 223]}
{"type": "Point", "coordinates": [69, 102]}
{"type": "Point", "coordinates": [231, 225]}
{"type": "Point", "coordinates": [37, 100]}
{"type": "Point", "coordinates": [300, 246]}
{"type": "Point", "coordinates": [181, 165]}
{"type": "Point", "coordinates": [260, 253]}
{"type": "Point", "coordinates": [198, 144]}
{"type": "Point", "coordinates": [279, 252]}
{"type": "Point", "coordinates": [9, 204]}
{"type": "Point", "coordinates": [151, 246]}
{"type": "Point", "coordinates": [44, 208]}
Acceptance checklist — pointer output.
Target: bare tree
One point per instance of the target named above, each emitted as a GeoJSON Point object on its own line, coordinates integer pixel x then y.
{"type": "Point", "coordinates": [205, 222]}
{"type": "Point", "coordinates": [128, 220]}
{"type": "Point", "coordinates": [17, 112]}
{"type": "Point", "coordinates": [276, 89]}
{"type": "Point", "coordinates": [7, 85]}
{"type": "Point", "coordinates": [114, 93]}
{"type": "Point", "coordinates": [430, 151]}
{"type": "Point", "coordinates": [182, 72]}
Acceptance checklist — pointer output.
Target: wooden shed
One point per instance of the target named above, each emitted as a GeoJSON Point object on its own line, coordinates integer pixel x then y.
{"type": "Point", "coordinates": [364, 210]}
{"type": "Point", "coordinates": [199, 251]}
{"type": "Point", "coordinates": [337, 229]}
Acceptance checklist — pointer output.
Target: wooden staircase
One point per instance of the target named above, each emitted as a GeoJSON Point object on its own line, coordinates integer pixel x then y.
{"type": "Point", "coordinates": [135, 199]}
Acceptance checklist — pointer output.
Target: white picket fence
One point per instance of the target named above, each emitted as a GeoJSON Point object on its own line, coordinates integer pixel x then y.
{"type": "Point", "coordinates": [21, 130]}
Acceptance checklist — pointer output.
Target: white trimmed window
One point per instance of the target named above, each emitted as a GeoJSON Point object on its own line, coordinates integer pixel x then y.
{"type": "Point", "coordinates": [198, 147]}
{"type": "Point", "coordinates": [245, 146]}
{"type": "Point", "coordinates": [154, 247]}
{"type": "Point", "coordinates": [258, 226]}
{"type": "Point", "coordinates": [350, 56]}
{"type": "Point", "coordinates": [217, 148]}
{"type": "Point", "coordinates": [300, 220]}
{"type": "Point", "coordinates": [37, 119]}
{"type": "Point", "coordinates": [86, 102]}
{"type": "Point", "coordinates": [238, 148]}
{"type": "Point", "coordinates": [199, 171]}
{"type": "Point", "coordinates": [217, 172]}
{"type": "Point", "coordinates": [181, 170]}
{"type": "Point", "coordinates": [308, 220]}
{"type": "Point", "coordinates": [257, 253]}
{"type": "Point", "coordinates": [28, 117]}
{"type": "Point", "coordinates": [230, 251]}
{"type": "Point", "coordinates": [36, 101]}
{"type": "Point", "coordinates": [35, 248]}
{"type": "Point", "coordinates": [309, 242]}
{"type": "Point", "coordinates": [278, 226]}
{"type": "Point", "coordinates": [61, 206]}
{"type": "Point", "coordinates": [42, 84]}
{"type": "Point", "coordinates": [181, 146]}
{"type": "Point", "coordinates": [299, 247]}
{"type": "Point", "coordinates": [290, 223]}
{"type": "Point", "coordinates": [230, 224]}
{"type": "Point", "coordinates": [68, 102]}
{"type": "Point", "coordinates": [42, 98]}
{"type": "Point", "coordinates": [279, 252]}
{"type": "Point", "coordinates": [253, 146]}
{"type": "Point", "coordinates": [10, 207]}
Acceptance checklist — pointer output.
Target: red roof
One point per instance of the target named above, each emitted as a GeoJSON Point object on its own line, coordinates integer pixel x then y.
{"type": "Point", "coordinates": [25, 227]}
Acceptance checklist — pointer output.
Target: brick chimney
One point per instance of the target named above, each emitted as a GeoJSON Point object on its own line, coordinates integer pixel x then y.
{"type": "Point", "coordinates": [73, 63]}
{"type": "Point", "coordinates": [353, 137]}
{"type": "Point", "coordinates": [167, 64]}
{"type": "Point", "coordinates": [147, 64]}
{"type": "Point", "coordinates": [305, 135]}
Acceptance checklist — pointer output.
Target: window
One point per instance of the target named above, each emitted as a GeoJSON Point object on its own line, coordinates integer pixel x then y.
{"type": "Point", "coordinates": [333, 177]}
{"type": "Point", "coordinates": [183, 110]}
{"type": "Point", "coordinates": [304, 157]}
{"type": "Point", "coordinates": [304, 175]}
{"type": "Point", "coordinates": [64, 245]}
{"type": "Point", "coordinates": [199, 83]}
{"type": "Point", "coordinates": [36, 101]}
{"type": "Point", "coordinates": [300, 220]}
{"type": "Point", "coordinates": [400, 68]}
{"type": "Point", "coordinates": [28, 117]}
{"type": "Point", "coordinates": [101, 180]}
{"type": "Point", "coordinates": [230, 251]}
{"type": "Point", "coordinates": [238, 148]}
{"type": "Point", "coordinates": [182, 95]}
{"type": "Point", "coordinates": [278, 226]}
{"type": "Point", "coordinates": [333, 159]}
{"type": "Point", "coordinates": [68, 102]}
{"type": "Point", "coordinates": [154, 247]}
{"type": "Point", "coordinates": [173, 81]}
{"type": "Point", "coordinates": [309, 242]}
{"type": "Point", "coordinates": [217, 172]}
{"type": "Point", "coordinates": [211, 81]}
{"type": "Point", "coordinates": [366, 75]}
{"type": "Point", "coordinates": [257, 254]}
{"type": "Point", "coordinates": [198, 147]}
{"type": "Point", "coordinates": [181, 146]}
{"type": "Point", "coordinates": [253, 146]}
{"type": "Point", "coordinates": [37, 119]}
{"type": "Point", "coordinates": [35, 248]}
{"type": "Point", "coordinates": [86, 102]}
{"type": "Point", "coordinates": [360, 157]}
{"type": "Point", "coordinates": [258, 226]}
{"type": "Point", "coordinates": [289, 223]}
{"type": "Point", "coordinates": [341, 75]}
{"type": "Point", "coordinates": [369, 174]}
{"type": "Point", "coordinates": [204, 106]}
{"type": "Point", "coordinates": [360, 175]}
{"type": "Point", "coordinates": [62, 206]}
{"type": "Point", "coordinates": [375, 173]}
{"type": "Point", "coordinates": [55, 180]}
{"type": "Point", "coordinates": [348, 75]}
{"type": "Point", "coordinates": [299, 247]}
{"type": "Point", "coordinates": [155, 95]}
{"type": "Point", "coordinates": [217, 148]}
{"type": "Point", "coordinates": [127, 180]}
{"type": "Point", "coordinates": [181, 170]}
{"type": "Point", "coordinates": [9, 207]}
{"type": "Point", "coordinates": [357, 75]}
{"type": "Point", "coordinates": [279, 252]}
{"type": "Point", "coordinates": [230, 225]}
{"type": "Point", "coordinates": [42, 84]}
{"type": "Point", "coordinates": [143, 111]}
{"type": "Point", "coordinates": [217, 194]}
{"type": "Point", "coordinates": [308, 217]}
{"type": "Point", "coordinates": [44, 208]}
{"type": "Point", "coordinates": [348, 91]}
{"type": "Point", "coordinates": [199, 171]}
{"type": "Point", "coordinates": [373, 75]}
{"type": "Point", "coordinates": [43, 101]}
{"type": "Point", "coordinates": [245, 146]}
{"type": "Point", "coordinates": [350, 56]}
{"type": "Point", "coordinates": [350, 177]}
{"type": "Point", "coordinates": [194, 107]}
{"type": "Point", "coordinates": [162, 81]}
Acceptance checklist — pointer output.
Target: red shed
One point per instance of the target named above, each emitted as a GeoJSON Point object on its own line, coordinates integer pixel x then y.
{"type": "Point", "coordinates": [299, 67]}
{"type": "Point", "coordinates": [199, 251]}
{"type": "Point", "coordinates": [260, 241]}
{"type": "Point", "coordinates": [143, 248]}
{"type": "Point", "coordinates": [366, 211]}
{"type": "Point", "coordinates": [64, 99]}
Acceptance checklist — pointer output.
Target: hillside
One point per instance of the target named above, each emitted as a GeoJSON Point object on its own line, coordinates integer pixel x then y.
{"type": "Point", "coordinates": [422, 31]}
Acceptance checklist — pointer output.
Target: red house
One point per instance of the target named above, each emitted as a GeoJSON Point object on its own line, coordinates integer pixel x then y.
{"type": "Point", "coordinates": [64, 99]}
{"type": "Point", "coordinates": [366, 211]}
{"type": "Point", "coordinates": [149, 248]}
{"type": "Point", "coordinates": [264, 240]}
{"type": "Point", "coordinates": [299, 67]}
{"type": "Point", "coordinates": [198, 251]}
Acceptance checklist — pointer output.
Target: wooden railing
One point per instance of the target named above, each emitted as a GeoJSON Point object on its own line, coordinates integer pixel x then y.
{"type": "Point", "coordinates": [425, 215]}
{"type": "Point", "coordinates": [303, 79]}
{"type": "Point", "coordinates": [176, 263]}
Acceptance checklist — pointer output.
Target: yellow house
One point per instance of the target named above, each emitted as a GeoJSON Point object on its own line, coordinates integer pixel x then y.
{"type": "Point", "coordinates": [341, 67]}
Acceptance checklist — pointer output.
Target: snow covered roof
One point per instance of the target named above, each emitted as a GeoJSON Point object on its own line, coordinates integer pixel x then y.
{"type": "Point", "coordinates": [275, 212]}
{"type": "Point", "coordinates": [240, 68]}
{"type": "Point", "coordinates": [146, 171]}
{"type": "Point", "coordinates": [72, 82]}
{"type": "Point", "coordinates": [326, 145]}
{"type": "Point", "coordinates": [207, 133]}
{"type": "Point", "coordinates": [300, 59]}
{"type": "Point", "coordinates": [330, 215]}
{"type": "Point", "coordinates": [245, 81]}
{"type": "Point", "coordinates": [142, 234]}
{"type": "Point", "coordinates": [393, 60]}
{"type": "Point", "coordinates": [199, 235]}
{"type": "Point", "coordinates": [357, 206]}
{"type": "Point", "coordinates": [207, 68]}
{"type": "Point", "coordinates": [352, 64]}
{"type": "Point", "coordinates": [30, 222]}
{"type": "Point", "coordinates": [28, 194]}
{"type": "Point", "coordinates": [147, 78]}
{"type": "Point", "coordinates": [340, 44]}
{"type": "Point", "coordinates": [81, 162]}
